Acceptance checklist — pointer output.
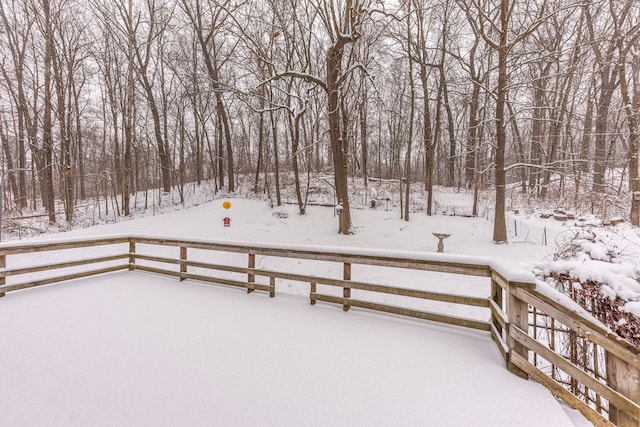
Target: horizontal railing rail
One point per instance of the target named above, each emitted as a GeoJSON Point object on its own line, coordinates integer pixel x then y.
{"type": "Point", "coordinates": [606, 392]}
{"type": "Point", "coordinates": [76, 263]}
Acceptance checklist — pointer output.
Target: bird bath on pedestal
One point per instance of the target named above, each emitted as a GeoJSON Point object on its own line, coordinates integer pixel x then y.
{"type": "Point", "coordinates": [441, 237]}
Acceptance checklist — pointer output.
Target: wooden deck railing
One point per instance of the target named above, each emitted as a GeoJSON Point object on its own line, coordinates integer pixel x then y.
{"type": "Point", "coordinates": [528, 323]}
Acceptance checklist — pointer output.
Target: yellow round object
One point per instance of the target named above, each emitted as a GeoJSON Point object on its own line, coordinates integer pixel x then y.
{"type": "Point", "coordinates": [226, 205]}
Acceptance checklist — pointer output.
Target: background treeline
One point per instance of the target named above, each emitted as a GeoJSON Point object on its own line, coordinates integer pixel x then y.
{"type": "Point", "coordinates": [105, 98]}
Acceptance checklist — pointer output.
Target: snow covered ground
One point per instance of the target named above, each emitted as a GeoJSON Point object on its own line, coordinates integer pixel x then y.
{"type": "Point", "coordinates": [136, 349]}
{"type": "Point", "coordinates": [253, 220]}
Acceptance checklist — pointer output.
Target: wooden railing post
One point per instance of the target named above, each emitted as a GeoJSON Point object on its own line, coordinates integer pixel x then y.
{"type": "Point", "coordinates": [3, 265]}
{"type": "Point", "coordinates": [623, 378]}
{"type": "Point", "coordinates": [272, 286]}
{"type": "Point", "coordinates": [312, 293]}
{"type": "Point", "coordinates": [251, 278]}
{"type": "Point", "coordinates": [346, 293]}
{"type": "Point", "coordinates": [496, 296]}
{"type": "Point", "coordinates": [132, 254]}
{"type": "Point", "coordinates": [518, 314]}
{"type": "Point", "coordinates": [183, 263]}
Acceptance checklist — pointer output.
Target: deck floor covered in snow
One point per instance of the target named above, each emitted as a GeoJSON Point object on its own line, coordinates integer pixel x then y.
{"type": "Point", "coordinates": [134, 349]}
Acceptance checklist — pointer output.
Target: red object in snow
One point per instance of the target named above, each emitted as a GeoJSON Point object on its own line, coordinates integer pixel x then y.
{"type": "Point", "coordinates": [227, 222]}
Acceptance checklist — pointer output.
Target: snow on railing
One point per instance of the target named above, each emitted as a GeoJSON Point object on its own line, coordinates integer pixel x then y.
{"type": "Point", "coordinates": [526, 318]}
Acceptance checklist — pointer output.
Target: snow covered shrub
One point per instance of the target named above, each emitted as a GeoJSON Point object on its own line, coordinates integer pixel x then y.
{"type": "Point", "coordinates": [602, 302]}
{"type": "Point", "coordinates": [282, 214]}
{"type": "Point", "coordinates": [588, 268]}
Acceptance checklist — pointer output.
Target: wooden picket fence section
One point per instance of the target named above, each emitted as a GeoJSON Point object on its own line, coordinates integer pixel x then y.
{"type": "Point", "coordinates": [609, 395]}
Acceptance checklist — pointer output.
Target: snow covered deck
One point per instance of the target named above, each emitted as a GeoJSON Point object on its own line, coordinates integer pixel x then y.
{"type": "Point", "coordinates": [131, 348]}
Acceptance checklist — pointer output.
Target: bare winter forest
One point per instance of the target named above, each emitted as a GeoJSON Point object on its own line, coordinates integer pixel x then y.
{"type": "Point", "coordinates": [102, 98]}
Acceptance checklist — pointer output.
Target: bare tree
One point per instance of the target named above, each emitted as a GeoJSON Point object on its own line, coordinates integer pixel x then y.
{"type": "Point", "coordinates": [342, 23]}
{"type": "Point", "coordinates": [68, 68]}
{"type": "Point", "coordinates": [424, 61]}
{"type": "Point", "coordinates": [626, 36]}
{"type": "Point", "coordinates": [412, 90]}
{"type": "Point", "coordinates": [494, 23]}
{"type": "Point", "coordinates": [609, 50]}
{"type": "Point", "coordinates": [45, 152]}
{"type": "Point", "coordinates": [143, 53]}
{"type": "Point", "coordinates": [17, 35]}
{"type": "Point", "coordinates": [208, 21]}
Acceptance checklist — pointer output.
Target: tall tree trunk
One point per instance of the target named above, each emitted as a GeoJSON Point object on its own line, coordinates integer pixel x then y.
{"type": "Point", "coordinates": [451, 158]}
{"type": "Point", "coordinates": [427, 129]}
{"type": "Point", "coordinates": [64, 169]}
{"type": "Point", "coordinates": [47, 188]}
{"type": "Point", "coordinates": [601, 127]}
{"type": "Point", "coordinates": [364, 137]}
{"type": "Point", "coordinates": [537, 128]}
{"type": "Point", "coordinates": [558, 119]}
{"type": "Point", "coordinates": [412, 90]}
{"type": "Point", "coordinates": [259, 149]}
{"type": "Point", "coordinates": [500, 226]}
{"type": "Point", "coordinates": [607, 75]}
{"type": "Point", "coordinates": [17, 51]}
{"type": "Point", "coordinates": [161, 145]}
{"type": "Point", "coordinates": [294, 126]}
{"type": "Point", "coordinates": [205, 34]}
{"type": "Point", "coordinates": [519, 143]}
{"type": "Point", "coordinates": [181, 153]}
{"type": "Point", "coordinates": [631, 117]}
{"type": "Point", "coordinates": [79, 145]}
{"type": "Point", "coordinates": [199, 155]}
{"type": "Point", "coordinates": [587, 135]}
{"type": "Point", "coordinates": [276, 156]}
{"type": "Point", "coordinates": [334, 69]}
{"type": "Point", "coordinates": [220, 150]}
{"type": "Point", "coordinates": [471, 151]}
{"type": "Point", "coordinates": [125, 187]}
{"type": "Point", "coordinates": [4, 138]}
{"type": "Point", "coordinates": [222, 115]}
